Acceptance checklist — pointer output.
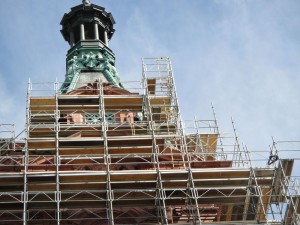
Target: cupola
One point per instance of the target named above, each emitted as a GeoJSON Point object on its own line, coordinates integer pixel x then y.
{"type": "Point", "coordinates": [88, 28]}
{"type": "Point", "coordinates": [87, 24]}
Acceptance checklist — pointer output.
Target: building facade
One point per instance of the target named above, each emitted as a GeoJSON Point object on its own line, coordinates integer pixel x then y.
{"type": "Point", "coordinates": [99, 151]}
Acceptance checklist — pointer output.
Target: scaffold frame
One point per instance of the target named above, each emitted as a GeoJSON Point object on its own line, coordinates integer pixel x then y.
{"type": "Point", "coordinates": [99, 156]}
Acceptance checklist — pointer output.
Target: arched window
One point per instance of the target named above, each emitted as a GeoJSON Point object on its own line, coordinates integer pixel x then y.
{"type": "Point", "coordinates": [89, 31]}
{"type": "Point", "coordinates": [101, 33]}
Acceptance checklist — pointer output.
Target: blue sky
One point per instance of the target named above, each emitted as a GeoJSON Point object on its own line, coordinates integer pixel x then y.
{"type": "Point", "coordinates": [243, 56]}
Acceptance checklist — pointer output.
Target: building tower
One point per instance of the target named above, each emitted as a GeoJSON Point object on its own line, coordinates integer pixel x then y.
{"type": "Point", "coordinates": [88, 29]}
{"type": "Point", "coordinates": [99, 151]}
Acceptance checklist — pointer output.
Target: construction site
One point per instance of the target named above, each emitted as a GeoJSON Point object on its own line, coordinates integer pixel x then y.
{"type": "Point", "coordinates": [100, 151]}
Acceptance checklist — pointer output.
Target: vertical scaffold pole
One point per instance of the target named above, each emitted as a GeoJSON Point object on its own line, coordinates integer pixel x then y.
{"type": "Point", "coordinates": [25, 193]}
{"type": "Point", "coordinates": [110, 196]}
{"type": "Point", "coordinates": [57, 158]}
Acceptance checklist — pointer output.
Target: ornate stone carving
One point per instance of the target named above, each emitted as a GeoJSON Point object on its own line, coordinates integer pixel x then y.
{"type": "Point", "coordinates": [91, 60]}
{"type": "Point", "coordinates": [110, 70]}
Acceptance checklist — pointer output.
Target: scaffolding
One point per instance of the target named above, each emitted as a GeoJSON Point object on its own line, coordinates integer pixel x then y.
{"type": "Point", "coordinates": [102, 155]}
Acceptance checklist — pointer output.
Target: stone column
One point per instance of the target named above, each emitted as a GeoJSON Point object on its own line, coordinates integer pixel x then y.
{"type": "Point", "coordinates": [72, 38]}
{"type": "Point", "coordinates": [96, 31]}
{"type": "Point", "coordinates": [82, 36]}
{"type": "Point", "coordinates": [105, 38]}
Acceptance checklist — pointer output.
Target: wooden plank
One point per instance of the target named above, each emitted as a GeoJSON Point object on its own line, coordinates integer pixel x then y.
{"type": "Point", "coordinates": [211, 164]}
{"type": "Point", "coordinates": [212, 142]}
{"type": "Point", "coordinates": [286, 166]}
{"type": "Point", "coordinates": [209, 143]}
{"type": "Point", "coordinates": [222, 201]}
{"type": "Point", "coordinates": [41, 144]}
{"type": "Point", "coordinates": [174, 184]}
{"type": "Point", "coordinates": [132, 108]}
{"type": "Point", "coordinates": [78, 101]}
{"type": "Point", "coordinates": [11, 206]}
{"type": "Point", "coordinates": [84, 196]}
{"type": "Point", "coordinates": [64, 96]}
{"type": "Point", "coordinates": [41, 134]}
{"type": "Point", "coordinates": [42, 101]}
{"type": "Point", "coordinates": [264, 172]}
{"type": "Point", "coordinates": [134, 175]}
{"type": "Point", "coordinates": [82, 161]}
{"type": "Point", "coordinates": [81, 127]}
{"type": "Point", "coordinates": [71, 108]}
{"type": "Point", "coordinates": [83, 186]}
{"type": "Point", "coordinates": [42, 107]}
{"type": "Point", "coordinates": [176, 175]}
{"type": "Point", "coordinates": [137, 150]}
{"type": "Point", "coordinates": [133, 203]}
{"type": "Point", "coordinates": [83, 204]}
{"type": "Point", "coordinates": [228, 214]}
{"type": "Point", "coordinates": [137, 185]}
{"type": "Point", "coordinates": [156, 111]}
{"type": "Point", "coordinates": [123, 100]}
{"type": "Point", "coordinates": [42, 187]}
{"type": "Point", "coordinates": [160, 101]}
{"type": "Point", "coordinates": [224, 183]}
{"type": "Point", "coordinates": [265, 198]}
{"type": "Point", "coordinates": [75, 178]}
{"type": "Point", "coordinates": [42, 104]}
{"type": "Point", "coordinates": [128, 142]}
{"type": "Point", "coordinates": [151, 85]}
{"type": "Point", "coordinates": [296, 200]}
{"type": "Point", "coordinates": [138, 195]}
{"type": "Point", "coordinates": [83, 151]}
{"type": "Point", "coordinates": [213, 174]}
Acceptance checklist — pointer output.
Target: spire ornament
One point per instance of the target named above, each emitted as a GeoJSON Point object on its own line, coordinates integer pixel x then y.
{"type": "Point", "coordinates": [86, 2]}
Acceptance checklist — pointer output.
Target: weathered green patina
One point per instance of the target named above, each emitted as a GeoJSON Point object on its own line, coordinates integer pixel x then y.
{"type": "Point", "coordinates": [93, 60]}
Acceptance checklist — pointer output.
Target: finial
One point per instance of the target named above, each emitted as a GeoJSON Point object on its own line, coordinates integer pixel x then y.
{"type": "Point", "coordinates": [86, 2]}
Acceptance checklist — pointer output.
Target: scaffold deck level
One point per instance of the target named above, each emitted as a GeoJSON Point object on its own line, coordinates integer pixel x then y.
{"type": "Point", "coordinates": [99, 155]}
